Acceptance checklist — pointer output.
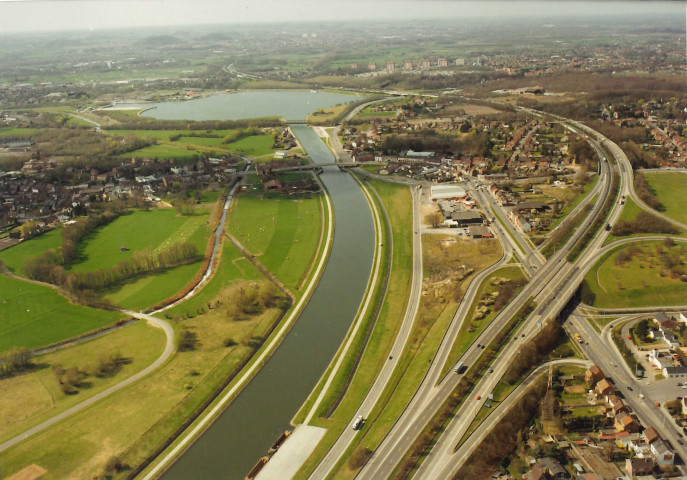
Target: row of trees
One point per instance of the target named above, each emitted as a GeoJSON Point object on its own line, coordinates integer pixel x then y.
{"type": "Point", "coordinates": [141, 262]}
{"type": "Point", "coordinates": [137, 122]}
{"type": "Point", "coordinates": [534, 351]}
{"type": "Point", "coordinates": [644, 222]}
{"type": "Point", "coordinates": [74, 233]}
{"type": "Point", "coordinates": [14, 361]}
{"type": "Point", "coordinates": [49, 268]}
{"type": "Point", "coordinates": [239, 134]}
{"type": "Point", "coordinates": [645, 192]}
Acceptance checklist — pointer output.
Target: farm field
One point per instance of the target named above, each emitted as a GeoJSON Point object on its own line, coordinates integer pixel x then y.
{"type": "Point", "coordinates": [36, 315]}
{"type": "Point", "coordinates": [17, 256]}
{"type": "Point", "coordinates": [639, 277]}
{"type": "Point", "coordinates": [669, 188]}
{"type": "Point", "coordinates": [35, 395]}
{"type": "Point", "coordinates": [282, 232]}
{"type": "Point", "coordinates": [138, 230]}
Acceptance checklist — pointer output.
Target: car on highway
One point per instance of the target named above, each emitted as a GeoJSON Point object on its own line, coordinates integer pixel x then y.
{"type": "Point", "coordinates": [479, 397]}
{"type": "Point", "coordinates": [641, 395]}
{"type": "Point", "coordinates": [358, 422]}
{"type": "Point", "coordinates": [629, 388]}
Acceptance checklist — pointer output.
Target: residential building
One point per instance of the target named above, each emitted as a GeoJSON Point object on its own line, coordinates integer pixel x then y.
{"type": "Point", "coordinates": [663, 454]}
{"type": "Point", "coordinates": [639, 466]}
{"type": "Point", "coordinates": [593, 375]}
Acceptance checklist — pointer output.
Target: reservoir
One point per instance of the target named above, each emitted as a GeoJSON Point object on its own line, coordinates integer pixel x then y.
{"type": "Point", "coordinates": [291, 105]}
{"type": "Point", "coordinates": [246, 429]}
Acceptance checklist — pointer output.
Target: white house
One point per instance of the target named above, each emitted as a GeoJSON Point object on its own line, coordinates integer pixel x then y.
{"type": "Point", "coordinates": [663, 455]}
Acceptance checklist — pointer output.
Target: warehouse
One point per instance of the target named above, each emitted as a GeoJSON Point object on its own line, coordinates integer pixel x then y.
{"type": "Point", "coordinates": [447, 192]}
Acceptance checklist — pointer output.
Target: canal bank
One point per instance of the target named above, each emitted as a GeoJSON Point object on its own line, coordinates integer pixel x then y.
{"type": "Point", "coordinates": [245, 430]}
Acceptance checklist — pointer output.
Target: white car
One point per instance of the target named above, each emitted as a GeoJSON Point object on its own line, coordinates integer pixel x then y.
{"type": "Point", "coordinates": [358, 422]}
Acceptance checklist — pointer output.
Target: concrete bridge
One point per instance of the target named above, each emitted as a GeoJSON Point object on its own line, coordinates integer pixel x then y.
{"type": "Point", "coordinates": [317, 166]}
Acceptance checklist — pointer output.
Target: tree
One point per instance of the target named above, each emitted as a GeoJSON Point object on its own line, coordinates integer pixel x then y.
{"type": "Point", "coordinates": [433, 219]}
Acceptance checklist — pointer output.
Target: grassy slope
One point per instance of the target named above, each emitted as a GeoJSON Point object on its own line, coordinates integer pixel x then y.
{"type": "Point", "coordinates": [35, 396]}
{"type": "Point", "coordinates": [35, 315]}
{"type": "Point", "coordinates": [397, 202]}
{"type": "Point", "coordinates": [233, 266]}
{"type": "Point", "coordinates": [130, 422]}
{"type": "Point", "coordinates": [637, 283]}
{"type": "Point", "coordinates": [283, 233]}
{"type": "Point", "coordinates": [466, 337]}
{"type": "Point", "coordinates": [670, 190]}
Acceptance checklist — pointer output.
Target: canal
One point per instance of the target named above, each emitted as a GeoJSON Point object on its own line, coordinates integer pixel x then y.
{"type": "Point", "coordinates": [262, 411]}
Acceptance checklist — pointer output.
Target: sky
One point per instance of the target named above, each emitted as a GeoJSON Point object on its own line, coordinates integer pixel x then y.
{"type": "Point", "coordinates": [52, 15]}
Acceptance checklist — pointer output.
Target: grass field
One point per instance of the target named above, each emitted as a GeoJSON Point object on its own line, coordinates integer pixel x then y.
{"type": "Point", "coordinates": [162, 152]}
{"type": "Point", "coordinates": [13, 132]}
{"type": "Point", "coordinates": [282, 232]}
{"type": "Point", "coordinates": [34, 396]}
{"type": "Point", "coordinates": [35, 315]}
{"type": "Point", "coordinates": [253, 146]}
{"type": "Point", "coordinates": [670, 190]}
{"type": "Point", "coordinates": [629, 213]}
{"type": "Point", "coordinates": [138, 230]}
{"type": "Point", "coordinates": [232, 268]}
{"type": "Point", "coordinates": [472, 329]}
{"type": "Point", "coordinates": [17, 256]}
{"type": "Point", "coordinates": [143, 292]}
{"type": "Point", "coordinates": [131, 422]}
{"type": "Point", "coordinates": [642, 281]}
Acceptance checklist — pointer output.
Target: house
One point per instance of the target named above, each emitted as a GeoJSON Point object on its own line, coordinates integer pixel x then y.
{"type": "Point", "coordinates": [593, 375]}
{"type": "Point", "coordinates": [273, 185]}
{"type": "Point", "coordinates": [617, 406]}
{"type": "Point", "coordinates": [663, 455]}
{"type": "Point", "coordinates": [625, 422]}
{"type": "Point", "coordinates": [604, 387]}
{"type": "Point", "coordinates": [546, 469]}
{"type": "Point", "coordinates": [651, 435]}
{"type": "Point", "coordinates": [552, 468]}
{"type": "Point", "coordinates": [639, 466]}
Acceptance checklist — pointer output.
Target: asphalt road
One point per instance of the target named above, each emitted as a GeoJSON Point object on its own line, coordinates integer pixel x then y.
{"type": "Point", "coordinates": [551, 286]}
{"type": "Point", "coordinates": [348, 435]}
{"type": "Point", "coordinates": [169, 349]}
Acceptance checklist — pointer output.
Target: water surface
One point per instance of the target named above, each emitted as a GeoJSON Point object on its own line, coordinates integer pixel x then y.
{"type": "Point", "coordinates": [288, 104]}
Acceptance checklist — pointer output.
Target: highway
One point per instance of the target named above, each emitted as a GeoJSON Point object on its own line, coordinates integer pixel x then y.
{"type": "Point", "coordinates": [551, 286]}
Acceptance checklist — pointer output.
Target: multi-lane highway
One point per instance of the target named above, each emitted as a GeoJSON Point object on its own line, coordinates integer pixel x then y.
{"type": "Point", "coordinates": [552, 285]}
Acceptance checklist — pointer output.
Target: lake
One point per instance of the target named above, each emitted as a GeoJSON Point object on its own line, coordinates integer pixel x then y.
{"type": "Point", "coordinates": [289, 104]}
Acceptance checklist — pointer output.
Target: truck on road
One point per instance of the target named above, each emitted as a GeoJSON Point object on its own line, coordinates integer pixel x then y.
{"type": "Point", "coordinates": [578, 338]}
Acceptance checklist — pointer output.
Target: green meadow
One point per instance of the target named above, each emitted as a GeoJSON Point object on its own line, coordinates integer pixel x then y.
{"type": "Point", "coordinates": [34, 315]}
{"type": "Point", "coordinates": [282, 232]}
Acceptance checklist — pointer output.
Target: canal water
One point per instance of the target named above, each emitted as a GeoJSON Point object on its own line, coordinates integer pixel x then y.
{"type": "Point", "coordinates": [291, 105]}
{"type": "Point", "coordinates": [247, 428]}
